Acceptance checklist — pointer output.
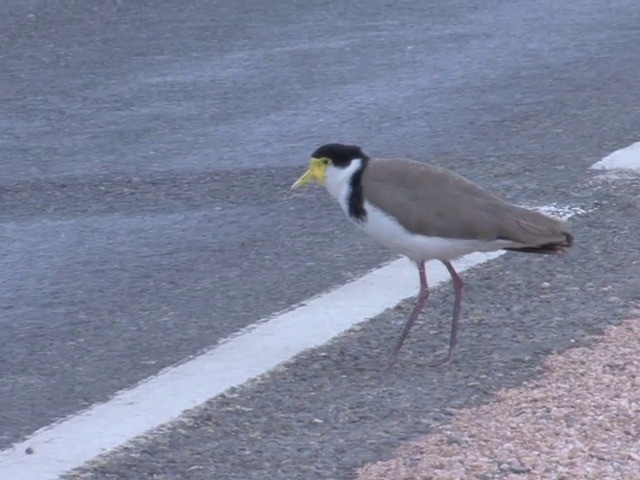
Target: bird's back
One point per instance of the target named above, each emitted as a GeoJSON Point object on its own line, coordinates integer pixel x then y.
{"type": "Point", "coordinates": [437, 202]}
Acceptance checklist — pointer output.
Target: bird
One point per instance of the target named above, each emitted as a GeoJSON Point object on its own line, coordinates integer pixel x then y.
{"type": "Point", "coordinates": [426, 212]}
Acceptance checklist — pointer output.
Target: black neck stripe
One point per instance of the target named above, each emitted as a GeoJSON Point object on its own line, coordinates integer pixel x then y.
{"type": "Point", "coordinates": [356, 197]}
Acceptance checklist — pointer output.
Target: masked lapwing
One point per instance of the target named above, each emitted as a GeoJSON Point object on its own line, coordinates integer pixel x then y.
{"type": "Point", "coordinates": [428, 213]}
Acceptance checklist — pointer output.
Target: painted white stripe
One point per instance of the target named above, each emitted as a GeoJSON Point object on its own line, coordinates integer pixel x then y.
{"type": "Point", "coordinates": [627, 158]}
{"type": "Point", "coordinates": [75, 440]}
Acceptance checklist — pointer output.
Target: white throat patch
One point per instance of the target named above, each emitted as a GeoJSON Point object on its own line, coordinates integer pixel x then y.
{"type": "Point", "coordinates": [337, 181]}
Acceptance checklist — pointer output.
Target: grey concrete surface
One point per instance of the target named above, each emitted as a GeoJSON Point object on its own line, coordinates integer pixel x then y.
{"type": "Point", "coordinates": [329, 412]}
{"type": "Point", "coordinates": [146, 150]}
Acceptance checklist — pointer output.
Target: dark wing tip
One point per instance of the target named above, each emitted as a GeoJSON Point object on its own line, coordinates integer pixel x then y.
{"type": "Point", "coordinates": [547, 248]}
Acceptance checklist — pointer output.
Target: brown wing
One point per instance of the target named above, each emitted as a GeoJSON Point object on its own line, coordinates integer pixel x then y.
{"type": "Point", "coordinates": [433, 201]}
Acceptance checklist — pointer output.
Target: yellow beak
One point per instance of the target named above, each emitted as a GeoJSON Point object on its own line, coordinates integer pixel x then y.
{"type": "Point", "coordinates": [315, 172]}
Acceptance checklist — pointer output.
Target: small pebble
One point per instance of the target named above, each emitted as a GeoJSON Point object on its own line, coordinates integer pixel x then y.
{"type": "Point", "coordinates": [454, 438]}
{"type": "Point", "coordinates": [516, 467]}
{"type": "Point", "coordinates": [28, 450]}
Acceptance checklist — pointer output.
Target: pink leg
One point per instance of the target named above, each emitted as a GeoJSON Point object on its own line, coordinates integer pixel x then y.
{"type": "Point", "coordinates": [423, 295]}
{"type": "Point", "coordinates": [457, 288]}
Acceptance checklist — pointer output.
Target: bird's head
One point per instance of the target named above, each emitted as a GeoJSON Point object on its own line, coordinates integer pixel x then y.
{"type": "Point", "coordinates": [325, 159]}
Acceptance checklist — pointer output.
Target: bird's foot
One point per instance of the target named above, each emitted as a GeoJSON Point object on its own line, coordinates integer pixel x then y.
{"type": "Point", "coordinates": [446, 362]}
{"type": "Point", "coordinates": [390, 362]}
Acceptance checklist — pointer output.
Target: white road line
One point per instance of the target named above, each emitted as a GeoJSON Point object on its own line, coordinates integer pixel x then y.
{"type": "Point", "coordinates": [70, 443]}
{"type": "Point", "coordinates": [627, 158]}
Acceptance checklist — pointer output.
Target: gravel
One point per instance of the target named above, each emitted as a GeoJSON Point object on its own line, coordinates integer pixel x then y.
{"type": "Point", "coordinates": [581, 419]}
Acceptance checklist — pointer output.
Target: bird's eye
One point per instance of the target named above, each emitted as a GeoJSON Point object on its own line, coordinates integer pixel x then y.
{"type": "Point", "coordinates": [326, 161]}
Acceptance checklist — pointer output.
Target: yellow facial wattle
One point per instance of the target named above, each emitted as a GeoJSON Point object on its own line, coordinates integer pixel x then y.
{"type": "Point", "coordinates": [316, 171]}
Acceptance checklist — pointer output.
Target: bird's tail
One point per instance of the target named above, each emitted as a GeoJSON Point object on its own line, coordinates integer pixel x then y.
{"type": "Point", "coordinates": [535, 232]}
{"type": "Point", "coordinates": [547, 248]}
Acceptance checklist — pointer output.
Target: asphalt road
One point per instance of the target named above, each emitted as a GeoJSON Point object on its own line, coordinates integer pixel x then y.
{"type": "Point", "coordinates": [146, 152]}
